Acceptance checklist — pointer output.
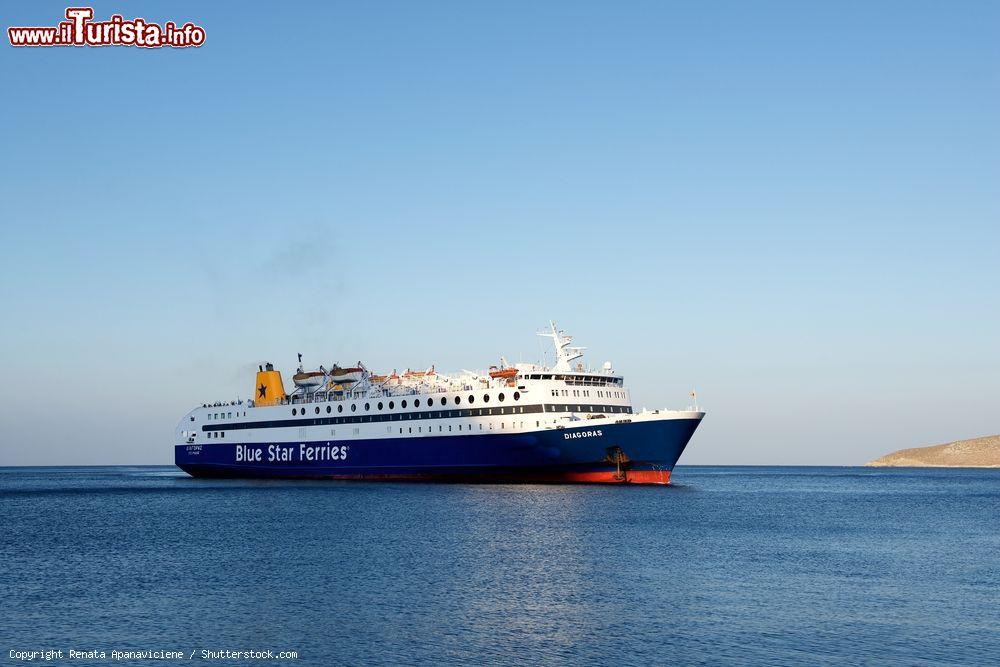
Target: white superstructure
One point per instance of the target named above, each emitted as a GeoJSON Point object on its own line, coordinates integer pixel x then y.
{"type": "Point", "coordinates": [345, 404]}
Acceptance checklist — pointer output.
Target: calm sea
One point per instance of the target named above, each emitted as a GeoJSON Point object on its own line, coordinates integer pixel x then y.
{"type": "Point", "coordinates": [727, 566]}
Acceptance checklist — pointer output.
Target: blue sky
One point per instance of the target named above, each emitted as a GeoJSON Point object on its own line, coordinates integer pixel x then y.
{"type": "Point", "coordinates": [792, 207]}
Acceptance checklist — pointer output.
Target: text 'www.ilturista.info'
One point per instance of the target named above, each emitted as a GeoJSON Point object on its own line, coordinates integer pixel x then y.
{"type": "Point", "coordinates": [81, 30]}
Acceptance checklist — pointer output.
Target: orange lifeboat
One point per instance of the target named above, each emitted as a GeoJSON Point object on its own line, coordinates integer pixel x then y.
{"type": "Point", "coordinates": [506, 373]}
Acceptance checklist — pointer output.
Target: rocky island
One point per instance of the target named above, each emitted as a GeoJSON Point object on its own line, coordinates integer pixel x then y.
{"type": "Point", "coordinates": [975, 453]}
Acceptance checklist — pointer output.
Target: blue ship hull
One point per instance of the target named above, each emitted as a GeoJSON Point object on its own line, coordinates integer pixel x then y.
{"type": "Point", "coordinates": [634, 452]}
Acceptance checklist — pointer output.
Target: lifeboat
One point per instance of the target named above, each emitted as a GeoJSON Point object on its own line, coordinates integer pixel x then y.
{"type": "Point", "coordinates": [505, 373]}
{"type": "Point", "coordinates": [392, 379]}
{"type": "Point", "coordinates": [346, 375]}
{"type": "Point", "coordinates": [411, 375]}
{"type": "Point", "coordinates": [308, 379]}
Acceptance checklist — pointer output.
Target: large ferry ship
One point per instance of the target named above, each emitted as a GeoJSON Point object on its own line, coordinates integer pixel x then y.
{"type": "Point", "coordinates": [512, 423]}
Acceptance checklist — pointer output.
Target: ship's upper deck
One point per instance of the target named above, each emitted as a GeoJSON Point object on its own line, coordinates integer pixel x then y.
{"type": "Point", "coordinates": [433, 382]}
{"type": "Point", "coordinates": [345, 384]}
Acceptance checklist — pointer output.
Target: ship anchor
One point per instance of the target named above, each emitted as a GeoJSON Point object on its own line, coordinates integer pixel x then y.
{"type": "Point", "coordinates": [619, 458]}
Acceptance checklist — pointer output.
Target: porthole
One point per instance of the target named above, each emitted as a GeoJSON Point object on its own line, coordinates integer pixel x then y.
{"type": "Point", "coordinates": [430, 403]}
{"type": "Point", "coordinates": [340, 408]}
{"type": "Point", "coordinates": [380, 405]}
{"type": "Point", "coordinates": [472, 399]}
{"type": "Point", "coordinates": [458, 399]}
{"type": "Point", "coordinates": [354, 407]}
{"type": "Point", "coordinates": [416, 403]}
{"type": "Point", "coordinates": [517, 395]}
{"type": "Point", "coordinates": [500, 397]}
{"type": "Point", "coordinates": [329, 409]}
{"type": "Point", "coordinates": [368, 407]}
{"type": "Point", "coordinates": [391, 405]}
{"type": "Point", "coordinates": [317, 409]}
{"type": "Point", "coordinates": [486, 398]}
{"type": "Point", "coordinates": [402, 404]}
{"type": "Point", "coordinates": [294, 411]}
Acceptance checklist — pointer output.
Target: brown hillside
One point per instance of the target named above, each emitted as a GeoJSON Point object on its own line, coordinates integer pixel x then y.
{"type": "Point", "coordinates": [974, 453]}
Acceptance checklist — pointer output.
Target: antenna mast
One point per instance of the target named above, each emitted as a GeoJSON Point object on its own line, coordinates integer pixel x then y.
{"type": "Point", "coordinates": [565, 353]}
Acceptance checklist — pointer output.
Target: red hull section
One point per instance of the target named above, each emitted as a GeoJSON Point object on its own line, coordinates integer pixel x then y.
{"type": "Point", "coordinates": [647, 477]}
{"type": "Point", "coordinates": [625, 477]}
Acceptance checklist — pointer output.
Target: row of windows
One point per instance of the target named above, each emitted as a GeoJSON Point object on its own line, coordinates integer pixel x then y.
{"type": "Point", "coordinates": [443, 401]}
{"type": "Point", "coordinates": [451, 428]}
{"type": "Point", "coordinates": [440, 428]}
{"type": "Point", "coordinates": [584, 393]}
{"type": "Point", "coordinates": [589, 380]}
{"type": "Point", "coordinates": [424, 414]}
{"type": "Point", "coordinates": [221, 415]}
{"type": "Point", "coordinates": [403, 404]}
{"type": "Point", "coordinates": [430, 429]}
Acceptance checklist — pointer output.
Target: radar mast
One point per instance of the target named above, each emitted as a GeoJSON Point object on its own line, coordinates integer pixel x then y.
{"type": "Point", "coordinates": [565, 353]}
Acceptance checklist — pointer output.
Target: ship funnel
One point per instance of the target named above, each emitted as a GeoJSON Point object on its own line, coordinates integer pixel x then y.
{"type": "Point", "coordinates": [269, 389]}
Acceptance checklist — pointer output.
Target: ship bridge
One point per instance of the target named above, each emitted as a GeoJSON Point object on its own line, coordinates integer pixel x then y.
{"type": "Point", "coordinates": [584, 379]}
